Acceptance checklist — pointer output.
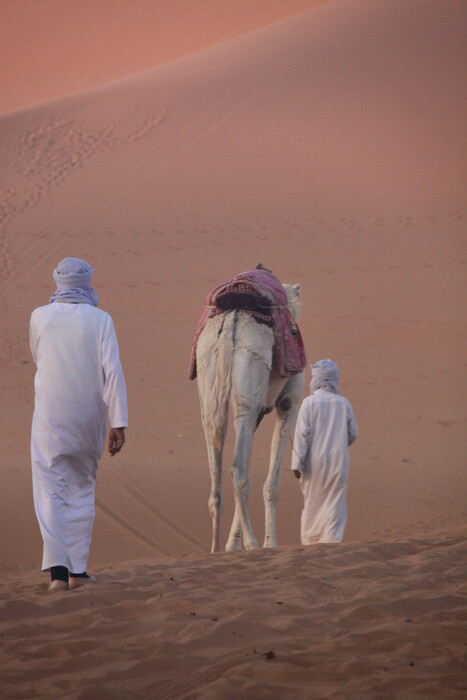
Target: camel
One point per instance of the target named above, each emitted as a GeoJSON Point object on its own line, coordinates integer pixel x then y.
{"type": "Point", "coordinates": [236, 362]}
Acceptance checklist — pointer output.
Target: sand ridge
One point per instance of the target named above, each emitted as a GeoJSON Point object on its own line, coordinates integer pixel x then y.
{"type": "Point", "coordinates": [378, 619]}
{"type": "Point", "coordinates": [66, 48]}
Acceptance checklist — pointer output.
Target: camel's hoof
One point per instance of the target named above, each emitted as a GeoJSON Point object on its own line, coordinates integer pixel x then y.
{"type": "Point", "coordinates": [251, 545]}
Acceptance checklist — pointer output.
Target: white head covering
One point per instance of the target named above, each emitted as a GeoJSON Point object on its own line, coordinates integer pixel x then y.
{"type": "Point", "coordinates": [324, 375]}
{"type": "Point", "coordinates": [73, 278]}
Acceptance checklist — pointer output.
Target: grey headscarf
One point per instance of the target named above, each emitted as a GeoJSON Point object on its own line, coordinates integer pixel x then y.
{"type": "Point", "coordinates": [324, 375]}
{"type": "Point", "coordinates": [73, 278]}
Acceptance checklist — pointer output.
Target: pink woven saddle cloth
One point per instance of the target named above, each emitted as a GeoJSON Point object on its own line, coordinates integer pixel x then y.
{"type": "Point", "coordinates": [260, 294]}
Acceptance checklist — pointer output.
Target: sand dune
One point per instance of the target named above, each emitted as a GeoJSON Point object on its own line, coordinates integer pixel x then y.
{"type": "Point", "coordinates": [52, 48]}
{"type": "Point", "coordinates": [328, 147]}
{"type": "Point", "coordinates": [354, 620]}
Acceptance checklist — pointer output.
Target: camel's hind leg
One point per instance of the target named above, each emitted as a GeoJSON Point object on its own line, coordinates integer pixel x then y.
{"type": "Point", "coordinates": [214, 433]}
{"type": "Point", "coordinates": [287, 407]}
{"type": "Point", "coordinates": [214, 387]}
{"type": "Point", "coordinates": [234, 542]}
{"type": "Point", "coordinates": [215, 503]}
{"type": "Point", "coordinates": [248, 396]}
{"type": "Point", "coordinates": [241, 524]}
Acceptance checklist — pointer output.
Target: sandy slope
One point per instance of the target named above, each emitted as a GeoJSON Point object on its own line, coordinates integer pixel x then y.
{"type": "Point", "coordinates": [381, 620]}
{"type": "Point", "coordinates": [328, 147]}
{"type": "Point", "coordinates": [52, 48]}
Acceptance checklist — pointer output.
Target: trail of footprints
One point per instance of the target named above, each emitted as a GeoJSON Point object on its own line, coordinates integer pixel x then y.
{"type": "Point", "coordinates": [45, 156]}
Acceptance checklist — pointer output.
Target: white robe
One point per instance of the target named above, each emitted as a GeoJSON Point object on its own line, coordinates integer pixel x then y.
{"type": "Point", "coordinates": [78, 377]}
{"type": "Point", "coordinates": [325, 428]}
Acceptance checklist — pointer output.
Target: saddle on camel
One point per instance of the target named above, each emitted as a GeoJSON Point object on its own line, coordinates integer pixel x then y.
{"type": "Point", "coordinates": [260, 294]}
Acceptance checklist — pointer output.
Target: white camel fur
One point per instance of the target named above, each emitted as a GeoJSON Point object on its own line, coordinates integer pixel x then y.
{"type": "Point", "coordinates": [234, 358]}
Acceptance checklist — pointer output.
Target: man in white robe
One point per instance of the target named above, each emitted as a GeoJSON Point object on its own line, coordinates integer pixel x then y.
{"type": "Point", "coordinates": [324, 430]}
{"type": "Point", "coordinates": [79, 379]}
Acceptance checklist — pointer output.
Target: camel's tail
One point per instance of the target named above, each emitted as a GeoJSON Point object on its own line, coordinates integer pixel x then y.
{"type": "Point", "coordinates": [214, 359]}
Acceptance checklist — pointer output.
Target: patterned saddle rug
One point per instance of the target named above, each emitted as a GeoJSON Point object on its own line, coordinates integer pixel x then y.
{"type": "Point", "coordinates": [260, 294]}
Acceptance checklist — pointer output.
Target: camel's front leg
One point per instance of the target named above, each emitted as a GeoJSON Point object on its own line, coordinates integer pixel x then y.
{"type": "Point", "coordinates": [287, 407]}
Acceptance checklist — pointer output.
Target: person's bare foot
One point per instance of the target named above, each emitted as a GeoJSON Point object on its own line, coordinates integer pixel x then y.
{"type": "Point", "coordinates": [58, 585]}
{"type": "Point", "coordinates": [78, 581]}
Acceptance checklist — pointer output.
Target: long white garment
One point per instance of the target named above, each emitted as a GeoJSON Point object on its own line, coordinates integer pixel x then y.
{"type": "Point", "coordinates": [325, 428]}
{"type": "Point", "coordinates": [78, 377]}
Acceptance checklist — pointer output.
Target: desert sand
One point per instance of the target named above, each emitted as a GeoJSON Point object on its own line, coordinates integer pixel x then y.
{"type": "Point", "coordinates": [53, 48]}
{"type": "Point", "coordinates": [356, 620]}
{"type": "Point", "coordinates": [329, 146]}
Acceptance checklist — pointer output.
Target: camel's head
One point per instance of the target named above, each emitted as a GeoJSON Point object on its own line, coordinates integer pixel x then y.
{"type": "Point", "coordinates": [293, 297]}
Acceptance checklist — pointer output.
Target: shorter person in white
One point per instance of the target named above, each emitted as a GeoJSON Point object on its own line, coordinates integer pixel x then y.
{"type": "Point", "coordinates": [78, 380]}
{"type": "Point", "coordinates": [324, 430]}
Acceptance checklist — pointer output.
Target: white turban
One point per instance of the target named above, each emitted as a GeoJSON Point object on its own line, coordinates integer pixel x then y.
{"type": "Point", "coordinates": [73, 278]}
{"type": "Point", "coordinates": [324, 375]}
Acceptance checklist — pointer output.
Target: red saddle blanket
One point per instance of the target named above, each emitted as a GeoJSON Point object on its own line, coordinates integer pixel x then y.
{"type": "Point", "coordinates": [260, 294]}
